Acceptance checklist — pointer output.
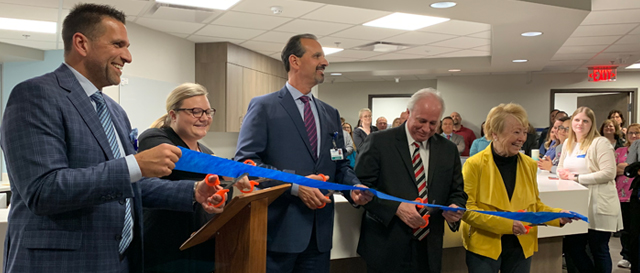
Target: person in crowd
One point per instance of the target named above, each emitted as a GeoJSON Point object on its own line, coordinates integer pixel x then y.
{"type": "Point", "coordinates": [531, 141]}
{"type": "Point", "coordinates": [346, 127]}
{"type": "Point", "coordinates": [550, 160]}
{"type": "Point", "coordinates": [403, 117]}
{"type": "Point", "coordinates": [364, 127]}
{"type": "Point", "coordinates": [395, 161]}
{"type": "Point", "coordinates": [617, 116]}
{"type": "Point", "coordinates": [480, 143]}
{"type": "Point", "coordinates": [545, 132]}
{"type": "Point", "coordinates": [447, 132]}
{"type": "Point", "coordinates": [465, 132]}
{"type": "Point", "coordinates": [292, 131]}
{"type": "Point", "coordinates": [589, 159]}
{"type": "Point", "coordinates": [551, 139]}
{"type": "Point", "coordinates": [188, 119]}
{"type": "Point", "coordinates": [78, 184]}
{"type": "Point", "coordinates": [496, 244]}
{"type": "Point", "coordinates": [633, 230]}
{"type": "Point", "coordinates": [611, 131]}
{"type": "Point", "coordinates": [381, 123]}
{"type": "Point", "coordinates": [396, 122]}
{"type": "Point", "coordinates": [623, 186]}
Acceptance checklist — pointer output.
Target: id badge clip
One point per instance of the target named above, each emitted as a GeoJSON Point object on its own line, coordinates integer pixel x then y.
{"type": "Point", "coordinates": [336, 153]}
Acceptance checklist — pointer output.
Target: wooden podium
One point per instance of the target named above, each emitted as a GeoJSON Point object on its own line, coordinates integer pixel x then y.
{"type": "Point", "coordinates": [240, 231]}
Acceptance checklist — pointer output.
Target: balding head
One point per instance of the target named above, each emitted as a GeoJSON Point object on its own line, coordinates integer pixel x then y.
{"type": "Point", "coordinates": [457, 119]}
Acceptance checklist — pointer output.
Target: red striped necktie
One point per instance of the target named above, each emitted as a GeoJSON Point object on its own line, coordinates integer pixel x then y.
{"type": "Point", "coordinates": [423, 191]}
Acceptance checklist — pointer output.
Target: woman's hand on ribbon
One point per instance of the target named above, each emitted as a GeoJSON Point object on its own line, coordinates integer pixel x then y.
{"type": "Point", "coordinates": [453, 216]}
{"type": "Point", "coordinates": [518, 228]}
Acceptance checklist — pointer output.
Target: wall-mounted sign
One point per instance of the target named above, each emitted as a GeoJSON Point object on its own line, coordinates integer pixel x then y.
{"type": "Point", "coordinates": [602, 73]}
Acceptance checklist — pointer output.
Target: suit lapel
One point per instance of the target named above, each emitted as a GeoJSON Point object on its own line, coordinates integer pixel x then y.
{"type": "Point", "coordinates": [403, 148]}
{"type": "Point", "coordinates": [83, 105]}
{"type": "Point", "coordinates": [286, 100]}
{"type": "Point", "coordinates": [323, 118]}
{"type": "Point", "coordinates": [434, 150]}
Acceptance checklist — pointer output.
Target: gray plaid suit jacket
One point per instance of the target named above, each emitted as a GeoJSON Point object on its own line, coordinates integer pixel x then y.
{"type": "Point", "coordinates": [68, 192]}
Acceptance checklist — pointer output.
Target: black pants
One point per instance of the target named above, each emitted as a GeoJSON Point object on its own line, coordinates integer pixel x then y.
{"type": "Point", "coordinates": [511, 260]}
{"type": "Point", "coordinates": [418, 263]}
{"type": "Point", "coordinates": [625, 237]}
{"type": "Point", "coordinates": [598, 241]}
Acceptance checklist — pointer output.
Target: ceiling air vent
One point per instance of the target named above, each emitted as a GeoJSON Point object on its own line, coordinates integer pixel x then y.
{"type": "Point", "coordinates": [382, 47]}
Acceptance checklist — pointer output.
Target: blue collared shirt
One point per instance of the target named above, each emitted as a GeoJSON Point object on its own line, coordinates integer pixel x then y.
{"type": "Point", "coordinates": [135, 173]}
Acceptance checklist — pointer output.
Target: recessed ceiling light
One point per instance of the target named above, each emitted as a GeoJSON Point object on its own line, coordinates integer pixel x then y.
{"type": "Point", "coordinates": [207, 4]}
{"type": "Point", "coordinates": [531, 33]}
{"type": "Point", "coordinates": [443, 5]}
{"type": "Point", "coordinates": [634, 66]}
{"type": "Point", "coordinates": [520, 61]}
{"type": "Point", "coordinates": [331, 50]}
{"type": "Point", "coordinates": [336, 74]}
{"type": "Point", "coordinates": [454, 70]}
{"type": "Point", "coordinates": [405, 21]}
{"type": "Point", "coordinates": [28, 25]}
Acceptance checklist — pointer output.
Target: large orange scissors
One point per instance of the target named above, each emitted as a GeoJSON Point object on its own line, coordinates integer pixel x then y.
{"type": "Point", "coordinates": [528, 227]}
{"type": "Point", "coordinates": [225, 189]}
{"type": "Point", "coordinates": [427, 215]}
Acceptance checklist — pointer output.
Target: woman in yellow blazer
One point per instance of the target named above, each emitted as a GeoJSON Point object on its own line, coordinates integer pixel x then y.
{"type": "Point", "coordinates": [499, 178]}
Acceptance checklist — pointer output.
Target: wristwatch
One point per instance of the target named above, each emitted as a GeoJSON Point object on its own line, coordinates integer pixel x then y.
{"type": "Point", "coordinates": [575, 178]}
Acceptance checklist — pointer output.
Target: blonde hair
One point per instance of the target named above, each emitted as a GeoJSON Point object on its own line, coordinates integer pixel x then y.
{"type": "Point", "coordinates": [497, 116]}
{"type": "Point", "coordinates": [635, 125]}
{"type": "Point", "coordinates": [175, 99]}
{"type": "Point", "coordinates": [362, 112]}
{"type": "Point", "coordinates": [591, 135]}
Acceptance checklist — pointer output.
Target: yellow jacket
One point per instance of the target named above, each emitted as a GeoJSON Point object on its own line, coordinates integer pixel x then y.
{"type": "Point", "coordinates": [481, 233]}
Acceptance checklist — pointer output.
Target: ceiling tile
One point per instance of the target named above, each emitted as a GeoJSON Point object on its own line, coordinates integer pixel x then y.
{"type": "Point", "coordinates": [209, 39]}
{"type": "Point", "coordinates": [636, 30]}
{"type": "Point", "coordinates": [43, 45]}
{"type": "Point", "coordinates": [602, 30]}
{"type": "Point", "coordinates": [581, 49]}
{"type": "Point", "coordinates": [33, 36]}
{"type": "Point", "coordinates": [428, 50]}
{"type": "Point", "coordinates": [580, 56]}
{"type": "Point", "coordinates": [356, 54]}
{"type": "Point", "coordinates": [483, 35]}
{"type": "Point", "coordinates": [629, 39]}
{"type": "Point", "coordinates": [183, 15]}
{"type": "Point", "coordinates": [598, 40]}
{"type": "Point", "coordinates": [360, 78]}
{"type": "Point", "coordinates": [344, 42]}
{"type": "Point", "coordinates": [330, 80]}
{"type": "Point", "coordinates": [464, 53]}
{"type": "Point", "coordinates": [368, 33]}
{"type": "Point", "coordinates": [181, 35]}
{"type": "Point", "coordinates": [483, 48]}
{"type": "Point", "coordinates": [127, 6]}
{"type": "Point", "coordinates": [314, 27]}
{"type": "Point", "coordinates": [394, 56]}
{"type": "Point", "coordinates": [612, 17]}
{"type": "Point", "coordinates": [617, 4]}
{"type": "Point", "coordinates": [336, 59]}
{"type": "Point", "coordinates": [169, 26]}
{"type": "Point", "coordinates": [463, 42]}
{"type": "Point", "coordinates": [623, 48]}
{"type": "Point", "coordinates": [457, 27]}
{"type": "Point", "coordinates": [419, 38]}
{"type": "Point", "coordinates": [347, 15]}
{"type": "Point", "coordinates": [567, 63]}
{"type": "Point", "coordinates": [30, 13]}
{"type": "Point", "coordinates": [557, 69]}
{"type": "Point", "coordinates": [229, 32]}
{"type": "Point", "coordinates": [275, 37]}
{"type": "Point", "coordinates": [290, 9]}
{"type": "Point", "coordinates": [33, 3]}
{"type": "Point", "coordinates": [249, 20]}
{"type": "Point", "coordinates": [264, 46]}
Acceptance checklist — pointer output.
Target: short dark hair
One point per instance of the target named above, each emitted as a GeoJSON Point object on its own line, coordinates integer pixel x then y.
{"type": "Point", "coordinates": [86, 19]}
{"type": "Point", "coordinates": [294, 46]}
{"type": "Point", "coordinates": [619, 113]}
{"type": "Point", "coordinates": [447, 117]}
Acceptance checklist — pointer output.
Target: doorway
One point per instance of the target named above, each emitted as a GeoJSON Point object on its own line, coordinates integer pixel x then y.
{"type": "Point", "coordinates": [601, 101]}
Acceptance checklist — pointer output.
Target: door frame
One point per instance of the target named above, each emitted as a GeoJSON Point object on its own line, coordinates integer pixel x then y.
{"type": "Point", "coordinates": [631, 92]}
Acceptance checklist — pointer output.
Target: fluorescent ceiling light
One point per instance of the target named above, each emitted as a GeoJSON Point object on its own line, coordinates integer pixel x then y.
{"type": "Point", "coordinates": [520, 61]}
{"type": "Point", "coordinates": [531, 34]}
{"type": "Point", "coordinates": [634, 66]}
{"type": "Point", "coordinates": [454, 70]}
{"type": "Point", "coordinates": [207, 4]}
{"type": "Point", "coordinates": [405, 21]}
{"type": "Point", "coordinates": [336, 74]}
{"type": "Point", "coordinates": [28, 25]}
{"type": "Point", "coordinates": [331, 50]}
{"type": "Point", "coordinates": [443, 5]}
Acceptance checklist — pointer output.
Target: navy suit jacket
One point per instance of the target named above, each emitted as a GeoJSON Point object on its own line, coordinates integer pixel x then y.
{"type": "Point", "coordinates": [68, 192]}
{"type": "Point", "coordinates": [274, 136]}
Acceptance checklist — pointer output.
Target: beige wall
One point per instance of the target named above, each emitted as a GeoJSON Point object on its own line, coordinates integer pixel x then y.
{"type": "Point", "coordinates": [350, 97]}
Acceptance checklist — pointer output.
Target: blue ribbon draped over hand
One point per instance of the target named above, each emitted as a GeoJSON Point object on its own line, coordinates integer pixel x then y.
{"type": "Point", "coordinates": [196, 162]}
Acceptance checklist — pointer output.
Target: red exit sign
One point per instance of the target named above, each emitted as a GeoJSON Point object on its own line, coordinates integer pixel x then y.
{"type": "Point", "coordinates": [603, 74]}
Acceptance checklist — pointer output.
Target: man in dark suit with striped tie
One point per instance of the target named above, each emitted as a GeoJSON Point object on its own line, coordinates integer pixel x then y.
{"type": "Point", "coordinates": [77, 184]}
{"type": "Point", "coordinates": [410, 161]}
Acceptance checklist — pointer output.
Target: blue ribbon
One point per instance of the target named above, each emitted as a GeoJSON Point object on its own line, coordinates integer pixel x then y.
{"type": "Point", "coordinates": [196, 162]}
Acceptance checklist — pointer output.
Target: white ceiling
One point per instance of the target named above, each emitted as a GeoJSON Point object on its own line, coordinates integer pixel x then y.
{"type": "Point", "coordinates": [482, 37]}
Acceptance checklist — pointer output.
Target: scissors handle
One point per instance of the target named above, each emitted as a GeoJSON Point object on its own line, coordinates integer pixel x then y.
{"type": "Point", "coordinates": [420, 200]}
{"type": "Point", "coordinates": [426, 219]}
{"type": "Point", "coordinates": [527, 227]}
{"type": "Point", "coordinates": [324, 178]}
{"type": "Point", "coordinates": [214, 183]}
{"type": "Point", "coordinates": [222, 194]}
{"type": "Point", "coordinates": [253, 183]}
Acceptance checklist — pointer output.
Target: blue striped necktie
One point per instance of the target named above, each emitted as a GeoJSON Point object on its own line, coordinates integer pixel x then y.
{"type": "Point", "coordinates": [105, 120]}
{"type": "Point", "coordinates": [310, 125]}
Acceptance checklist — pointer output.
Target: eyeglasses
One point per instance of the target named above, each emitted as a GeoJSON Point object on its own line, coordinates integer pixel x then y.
{"type": "Point", "coordinates": [633, 133]}
{"type": "Point", "coordinates": [198, 112]}
{"type": "Point", "coordinates": [563, 128]}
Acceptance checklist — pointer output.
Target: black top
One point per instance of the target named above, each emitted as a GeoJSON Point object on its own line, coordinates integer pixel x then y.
{"type": "Point", "coordinates": [508, 166]}
{"type": "Point", "coordinates": [164, 230]}
{"type": "Point", "coordinates": [359, 135]}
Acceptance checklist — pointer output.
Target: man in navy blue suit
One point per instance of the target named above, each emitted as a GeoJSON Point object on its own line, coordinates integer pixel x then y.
{"type": "Point", "coordinates": [77, 184]}
{"type": "Point", "coordinates": [292, 131]}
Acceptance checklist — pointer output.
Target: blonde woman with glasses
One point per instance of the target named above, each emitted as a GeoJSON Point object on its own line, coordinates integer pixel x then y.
{"type": "Point", "coordinates": [589, 159]}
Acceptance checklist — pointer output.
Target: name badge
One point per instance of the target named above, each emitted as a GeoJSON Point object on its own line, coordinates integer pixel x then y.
{"type": "Point", "coordinates": [582, 156]}
{"type": "Point", "coordinates": [336, 154]}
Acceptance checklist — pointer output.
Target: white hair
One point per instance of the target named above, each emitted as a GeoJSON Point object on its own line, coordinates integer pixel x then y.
{"type": "Point", "coordinates": [423, 93]}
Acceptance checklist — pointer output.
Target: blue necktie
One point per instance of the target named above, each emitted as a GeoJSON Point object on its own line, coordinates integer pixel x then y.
{"type": "Point", "coordinates": [310, 125]}
{"type": "Point", "coordinates": [105, 120]}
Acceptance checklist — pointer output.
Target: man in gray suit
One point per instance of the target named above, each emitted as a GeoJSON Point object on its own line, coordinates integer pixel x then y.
{"type": "Point", "coordinates": [447, 132]}
{"type": "Point", "coordinates": [78, 185]}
